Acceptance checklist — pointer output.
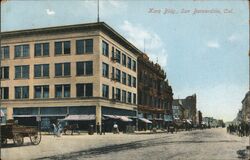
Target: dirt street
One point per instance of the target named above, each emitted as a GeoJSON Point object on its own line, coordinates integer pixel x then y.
{"type": "Point", "coordinates": [208, 144]}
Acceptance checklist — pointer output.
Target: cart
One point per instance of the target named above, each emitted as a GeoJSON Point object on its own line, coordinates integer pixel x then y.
{"type": "Point", "coordinates": [18, 133]}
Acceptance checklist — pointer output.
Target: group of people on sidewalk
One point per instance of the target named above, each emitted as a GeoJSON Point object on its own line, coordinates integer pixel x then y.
{"type": "Point", "coordinates": [243, 129]}
{"type": "Point", "coordinates": [100, 129]}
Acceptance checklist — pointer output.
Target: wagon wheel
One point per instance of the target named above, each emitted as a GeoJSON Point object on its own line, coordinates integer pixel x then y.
{"type": "Point", "coordinates": [18, 139]}
{"type": "Point", "coordinates": [35, 138]}
{"type": "Point", "coordinates": [67, 132]}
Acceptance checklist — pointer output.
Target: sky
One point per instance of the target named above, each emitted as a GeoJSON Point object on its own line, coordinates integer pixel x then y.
{"type": "Point", "coordinates": [202, 45]}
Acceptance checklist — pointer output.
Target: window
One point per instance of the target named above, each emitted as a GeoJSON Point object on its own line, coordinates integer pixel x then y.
{"type": "Point", "coordinates": [113, 52]}
{"type": "Point", "coordinates": [105, 48]}
{"type": "Point", "coordinates": [105, 91]}
{"type": "Point", "coordinates": [129, 97]}
{"type": "Point", "coordinates": [4, 72]}
{"type": "Point", "coordinates": [113, 72]}
{"type": "Point", "coordinates": [84, 68]}
{"type": "Point", "coordinates": [124, 60]}
{"type": "Point", "coordinates": [118, 94]}
{"type": "Point", "coordinates": [105, 70]}
{"type": "Point", "coordinates": [41, 70]}
{"type": "Point", "coordinates": [124, 98]}
{"type": "Point", "coordinates": [21, 92]}
{"type": "Point", "coordinates": [134, 65]}
{"type": "Point", "coordinates": [134, 82]}
{"type": "Point", "coordinates": [62, 91]}
{"type": "Point", "coordinates": [62, 69]}
{"type": "Point", "coordinates": [41, 49]}
{"type": "Point", "coordinates": [62, 48]}
{"type": "Point", "coordinates": [134, 98]}
{"type": "Point", "coordinates": [5, 93]}
{"type": "Point", "coordinates": [22, 72]}
{"type": "Point", "coordinates": [41, 91]}
{"type": "Point", "coordinates": [129, 62]}
{"type": "Point", "coordinates": [124, 78]}
{"type": "Point", "coordinates": [89, 45]}
{"type": "Point", "coordinates": [118, 75]}
{"type": "Point", "coordinates": [84, 90]}
{"type": "Point", "coordinates": [129, 80]}
{"type": "Point", "coordinates": [5, 52]}
{"type": "Point", "coordinates": [22, 51]}
{"type": "Point", "coordinates": [118, 56]}
{"type": "Point", "coordinates": [84, 46]}
{"type": "Point", "coordinates": [113, 93]}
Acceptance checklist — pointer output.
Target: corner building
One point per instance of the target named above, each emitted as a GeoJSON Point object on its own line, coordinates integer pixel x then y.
{"type": "Point", "coordinates": [86, 69]}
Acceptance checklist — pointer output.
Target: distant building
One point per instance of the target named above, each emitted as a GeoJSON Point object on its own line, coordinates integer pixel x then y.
{"type": "Point", "coordinates": [178, 110]}
{"type": "Point", "coordinates": [199, 118]}
{"type": "Point", "coordinates": [189, 105]}
{"type": "Point", "coordinates": [246, 107]}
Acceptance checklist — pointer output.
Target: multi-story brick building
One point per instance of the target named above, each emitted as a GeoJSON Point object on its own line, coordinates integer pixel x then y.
{"type": "Point", "coordinates": [154, 93]}
{"type": "Point", "coordinates": [86, 69]}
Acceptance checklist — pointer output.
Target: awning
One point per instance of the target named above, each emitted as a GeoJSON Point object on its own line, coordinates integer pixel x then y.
{"type": "Point", "coordinates": [145, 120]}
{"type": "Point", "coordinates": [122, 118]}
{"type": "Point", "coordinates": [111, 116]}
{"type": "Point", "coordinates": [79, 117]}
{"type": "Point", "coordinates": [188, 121]}
{"type": "Point", "coordinates": [125, 119]}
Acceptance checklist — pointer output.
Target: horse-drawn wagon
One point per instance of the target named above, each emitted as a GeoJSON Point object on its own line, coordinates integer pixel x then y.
{"type": "Point", "coordinates": [18, 133]}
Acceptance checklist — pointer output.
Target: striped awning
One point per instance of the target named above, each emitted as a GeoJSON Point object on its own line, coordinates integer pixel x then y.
{"type": "Point", "coordinates": [80, 117]}
{"type": "Point", "coordinates": [122, 118]}
{"type": "Point", "coordinates": [145, 120]}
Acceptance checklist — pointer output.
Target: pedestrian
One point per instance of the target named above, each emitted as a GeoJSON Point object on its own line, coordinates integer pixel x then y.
{"type": "Point", "coordinates": [91, 129]}
{"type": "Point", "coordinates": [59, 130]}
{"type": "Point", "coordinates": [115, 129]}
{"type": "Point", "coordinates": [54, 129]}
{"type": "Point", "coordinates": [98, 128]}
{"type": "Point", "coordinates": [103, 128]}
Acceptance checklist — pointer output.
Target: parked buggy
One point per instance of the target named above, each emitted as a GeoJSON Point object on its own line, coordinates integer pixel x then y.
{"type": "Point", "coordinates": [17, 132]}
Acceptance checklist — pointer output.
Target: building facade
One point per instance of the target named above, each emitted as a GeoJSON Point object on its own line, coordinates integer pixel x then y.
{"type": "Point", "coordinates": [190, 109]}
{"type": "Point", "coordinates": [85, 69]}
{"type": "Point", "coordinates": [155, 95]}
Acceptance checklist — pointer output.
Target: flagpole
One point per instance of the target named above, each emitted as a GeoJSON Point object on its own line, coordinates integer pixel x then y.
{"type": "Point", "coordinates": [98, 19]}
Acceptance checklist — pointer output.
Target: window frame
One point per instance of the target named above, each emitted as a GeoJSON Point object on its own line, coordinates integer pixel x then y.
{"type": "Point", "coordinates": [22, 71]}
{"type": "Point", "coordinates": [22, 48]}
{"type": "Point", "coordinates": [22, 92]}
{"type": "Point", "coordinates": [5, 52]}
{"type": "Point", "coordinates": [62, 47]}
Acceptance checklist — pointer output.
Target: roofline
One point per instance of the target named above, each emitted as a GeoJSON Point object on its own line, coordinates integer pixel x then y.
{"type": "Point", "coordinates": [90, 26]}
